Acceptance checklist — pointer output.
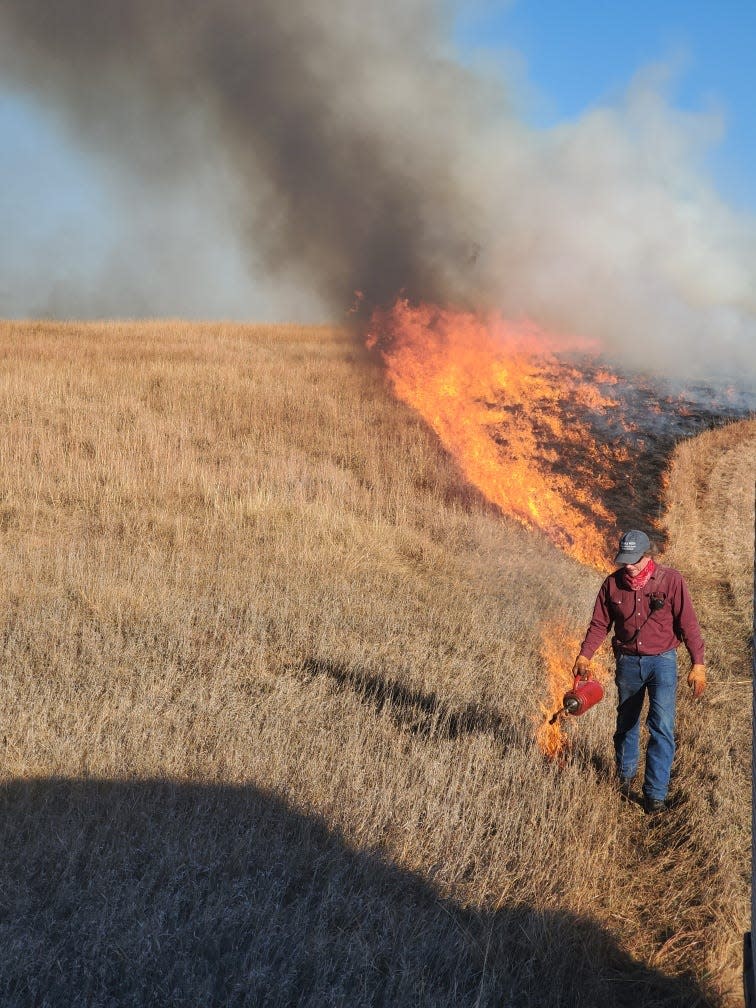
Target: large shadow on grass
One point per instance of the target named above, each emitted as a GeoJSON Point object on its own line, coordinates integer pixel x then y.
{"type": "Point", "coordinates": [157, 893]}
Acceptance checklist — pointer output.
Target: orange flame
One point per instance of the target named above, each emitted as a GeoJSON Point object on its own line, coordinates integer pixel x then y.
{"type": "Point", "coordinates": [559, 645]}
{"type": "Point", "coordinates": [558, 649]}
{"type": "Point", "coordinates": [491, 390]}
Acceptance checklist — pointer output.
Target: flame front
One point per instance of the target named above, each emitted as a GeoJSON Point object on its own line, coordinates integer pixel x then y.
{"type": "Point", "coordinates": [496, 394]}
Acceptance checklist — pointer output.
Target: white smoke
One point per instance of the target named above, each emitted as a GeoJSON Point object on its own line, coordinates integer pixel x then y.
{"type": "Point", "coordinates": [616, 233]}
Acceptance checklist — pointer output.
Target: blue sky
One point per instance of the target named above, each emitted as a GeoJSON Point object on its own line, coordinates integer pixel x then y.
{"type": "Point", "coordinates": [575, 54]}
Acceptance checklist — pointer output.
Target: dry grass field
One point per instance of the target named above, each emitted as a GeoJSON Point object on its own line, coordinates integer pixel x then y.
{"type": "Point", "coordinates": [270, 671]}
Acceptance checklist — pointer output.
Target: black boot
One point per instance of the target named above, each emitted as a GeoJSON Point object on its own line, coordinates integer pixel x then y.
{"type": "Point", "coordinates": [653, 806]}
{"type": "Point", "coordinates": [625, 787]}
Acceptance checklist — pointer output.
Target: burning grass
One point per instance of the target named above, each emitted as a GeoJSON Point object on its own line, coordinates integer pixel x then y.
{"type": "Point", "coordinates": [559, 645]}
{"type": "Point", "coordinates": [270, 668]}
{"type": "Point", "coordinates": [488, 390]}
{"type": "Point", "coordinates": [538, 423]}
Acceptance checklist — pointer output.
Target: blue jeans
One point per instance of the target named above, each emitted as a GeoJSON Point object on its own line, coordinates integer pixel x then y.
{"type": "Point", "coordinates": [635, 675]}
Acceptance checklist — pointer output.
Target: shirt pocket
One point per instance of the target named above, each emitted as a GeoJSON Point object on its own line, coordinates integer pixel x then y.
{"type": "Point", "coordinates": [623, 608]}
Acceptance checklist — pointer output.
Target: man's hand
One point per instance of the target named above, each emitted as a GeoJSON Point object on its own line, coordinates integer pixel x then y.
{"type": "Point", "coordinates": [697, 680]}
{"type": "Point", "coordinates": [581, 667]}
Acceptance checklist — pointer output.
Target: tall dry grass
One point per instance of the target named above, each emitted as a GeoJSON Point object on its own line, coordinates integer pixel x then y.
{"type": "Point", "coordinates": [710, 518]}
{"type": "Point", "coordinates": [270, 671]}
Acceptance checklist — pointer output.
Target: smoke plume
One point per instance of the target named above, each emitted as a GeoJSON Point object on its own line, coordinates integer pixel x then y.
{"type": "Point", "coordinates": [340, 147]}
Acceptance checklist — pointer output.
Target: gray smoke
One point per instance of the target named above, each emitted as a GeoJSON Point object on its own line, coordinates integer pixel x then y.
{"type": "Point", "coordinates": [339, 146]}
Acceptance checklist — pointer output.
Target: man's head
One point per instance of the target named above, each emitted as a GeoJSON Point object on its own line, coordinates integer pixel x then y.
{"type": "Point", "coordinates": [633, 546]}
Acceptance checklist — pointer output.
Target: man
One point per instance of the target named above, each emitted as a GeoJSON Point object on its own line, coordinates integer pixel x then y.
{"type": "Point", "coordinates": [650, 609]}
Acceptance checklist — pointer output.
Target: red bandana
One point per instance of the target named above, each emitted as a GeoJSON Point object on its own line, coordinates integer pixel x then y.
{"type": "Point", "coordinates": [637, 582]}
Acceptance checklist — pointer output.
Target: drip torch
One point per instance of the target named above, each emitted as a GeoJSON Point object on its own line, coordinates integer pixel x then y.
{"type": "Point", "coordinates": [585, 693]}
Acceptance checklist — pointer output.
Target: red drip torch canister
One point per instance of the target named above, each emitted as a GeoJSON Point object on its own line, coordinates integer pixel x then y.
{"type": "Point", "coordinates": [585, 693]}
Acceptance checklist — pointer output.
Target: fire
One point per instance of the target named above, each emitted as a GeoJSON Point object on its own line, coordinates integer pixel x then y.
{"type": "Point", "coordinates": [509, 411]}
{"type": "Point", "coordinates": [538, 435]}
{"type": "Point", "coordinates": [558, 650]}
{"type": "Point", "coordinates": [559, 645]}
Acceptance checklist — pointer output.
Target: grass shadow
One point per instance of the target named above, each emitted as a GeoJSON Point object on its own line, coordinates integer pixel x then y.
{"type": "Point", "coordinates": [162, 893]}
{"type": "Point", "coordinates": [424, 714]}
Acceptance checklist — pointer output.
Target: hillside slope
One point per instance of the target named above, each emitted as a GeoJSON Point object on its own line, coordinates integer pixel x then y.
{"type": "Point", "coordinates": [710, 519]}
{"type": "Point", "coordinates": [271, 673]}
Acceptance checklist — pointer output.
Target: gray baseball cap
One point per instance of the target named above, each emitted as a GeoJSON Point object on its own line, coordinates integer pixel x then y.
{"type": "Point", "coordinates": [632, 546]}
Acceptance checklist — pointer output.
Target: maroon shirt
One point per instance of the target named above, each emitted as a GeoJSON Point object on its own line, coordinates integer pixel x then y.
{"type": "Point", "coordinates": [639, 630]}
